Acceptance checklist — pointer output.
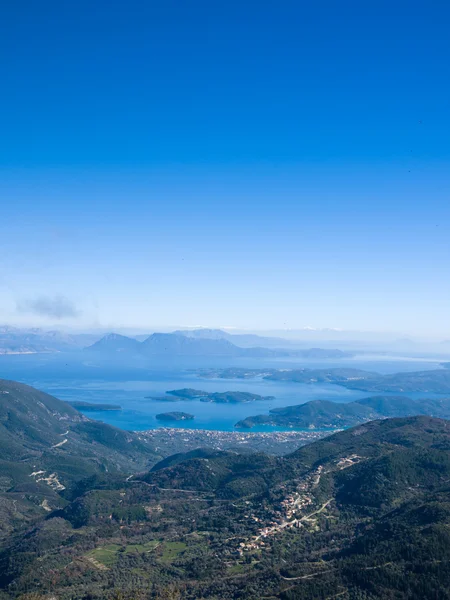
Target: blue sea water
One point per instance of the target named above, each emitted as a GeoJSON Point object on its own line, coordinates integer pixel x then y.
{"type": "Point", "coordinates": [69, 377]}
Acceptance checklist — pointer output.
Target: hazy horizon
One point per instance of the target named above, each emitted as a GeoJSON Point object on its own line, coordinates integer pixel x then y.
{"type": "Point", "coordinates": [304, 334]}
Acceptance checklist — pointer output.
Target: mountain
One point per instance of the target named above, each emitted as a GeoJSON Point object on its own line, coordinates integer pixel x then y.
{"type": "Point", "coordinates": [244, 340]}
{"type": "Point", "coordinates": [363, 514]}
{"type": "Point", "coordinates": [115, 343]}
{"type": "Point", "coordinates": [228, 474]}
{"type": "Point", "coordinates": [47, 447]}
{"type": "Point", "coordinates": [176, 344]}
{"type": "Point", "coordinates": [169, 344]}
{"type": "Point", "coordinates": [319, 414]}
{"type": "Point", "coordinates": [282, 346]}
{"type": "Point", "coordinates": [204, 334]}
{"type": "Point", "coordinates": [179, 345]}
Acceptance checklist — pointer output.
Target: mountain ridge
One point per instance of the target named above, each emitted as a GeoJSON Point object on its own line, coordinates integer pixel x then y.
{"type": "Point", "coordinates": [47, 447]}
{"type": "Point", "coordinates": [178, 344]}
{"type": "Point", "coordinates": [365, 511]}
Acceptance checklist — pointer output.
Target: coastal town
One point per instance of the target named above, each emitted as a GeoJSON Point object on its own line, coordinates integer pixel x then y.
{"type": "Point", "coordinates": [175, 440]}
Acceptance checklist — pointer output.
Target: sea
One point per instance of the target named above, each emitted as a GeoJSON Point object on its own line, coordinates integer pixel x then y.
{"type": "Point", "coordinates": [70, 377]}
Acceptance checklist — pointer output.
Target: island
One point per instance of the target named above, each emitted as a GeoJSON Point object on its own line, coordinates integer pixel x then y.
{"type": "Point", "coordinates": [175, 416]}
{"type": "Point", "coordinates": [179, 395]}
{"type": "Point", "coordinates": [215, 397]}
{"type": "Point", "coordinates": [333, 375]}
{"type": "Point", "coordinates": [187, 393]}
{"type": "Point", "coordinates": [436, 381]}
{"type": "Point", "coordinates": [164, 398]}
{"type": "Point", "coordinates": [234, 373]}
{"type": "Point", "coordinates": [86, 406]}
{"type": "Point", "coordinates": [234, 397]}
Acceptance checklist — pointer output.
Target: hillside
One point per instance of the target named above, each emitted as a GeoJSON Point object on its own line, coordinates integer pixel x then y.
{"type": "Point", "coordinates": [319, 414]}
{"type": "Point", "coordinates": [47, 447]}
{"type": "Point", "coordinates": [114, 342]}
{"type": "Point", "coordinates": [363, 514]}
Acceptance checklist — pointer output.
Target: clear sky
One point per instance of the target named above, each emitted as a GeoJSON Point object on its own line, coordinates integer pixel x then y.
{"type": "Point", "coordinates": [247, 164]}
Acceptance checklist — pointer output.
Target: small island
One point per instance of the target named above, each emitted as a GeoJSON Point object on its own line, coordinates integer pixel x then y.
{"type": "Point", "coordinates": [81, 405]}
{"type": "Point", "coordinates": [175, 416]}
{"type": "Point", "coordinates": [178, 395]}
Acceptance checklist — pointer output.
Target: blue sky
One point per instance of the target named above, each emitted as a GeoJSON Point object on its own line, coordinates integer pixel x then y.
{"type": "Point", "coordinates": [257, 165]}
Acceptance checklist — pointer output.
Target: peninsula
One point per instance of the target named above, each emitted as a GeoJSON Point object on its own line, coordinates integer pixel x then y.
{"type": "Point", "coordinates": [87, 406]}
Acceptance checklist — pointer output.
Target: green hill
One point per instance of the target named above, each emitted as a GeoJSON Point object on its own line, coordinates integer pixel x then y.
{"type": "Point", "coordinates": [47, 447]}
{"type": "Point", "coordinates": [363, 514]}
{"type": "Point", "coordinates": [319, 414]}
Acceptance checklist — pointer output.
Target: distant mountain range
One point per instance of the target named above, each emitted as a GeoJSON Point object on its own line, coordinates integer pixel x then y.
{"type": "Point", "coordinates": [197, 342]}
{"type": "Point", "coordinates": [15, 340]}
{"type": "Point", "coordinates": [33, 341]}
{"type": "Point", "coordinates": [178, 344]}
{"type": "Point", "coordinates": [244, 340]}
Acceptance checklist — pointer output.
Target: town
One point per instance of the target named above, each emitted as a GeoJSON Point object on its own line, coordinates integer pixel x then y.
{"type": "Point", "coordinates": [175, 440]}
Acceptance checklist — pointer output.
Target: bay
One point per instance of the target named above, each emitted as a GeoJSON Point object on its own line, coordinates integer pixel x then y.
{"type": "Point", "coordinates": [69, 378]}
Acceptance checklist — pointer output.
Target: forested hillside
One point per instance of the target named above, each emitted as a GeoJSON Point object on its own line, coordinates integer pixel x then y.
{"type": "Point", "coordinates": [362, 514]}
{"type": "Point", "coordinates": [47, 447]}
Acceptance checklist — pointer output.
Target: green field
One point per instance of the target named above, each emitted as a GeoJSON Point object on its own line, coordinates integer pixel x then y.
{"type": "Point", "coordinates": [171, 551]}
{"type": "Point", "coordinates": [107, 555]}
